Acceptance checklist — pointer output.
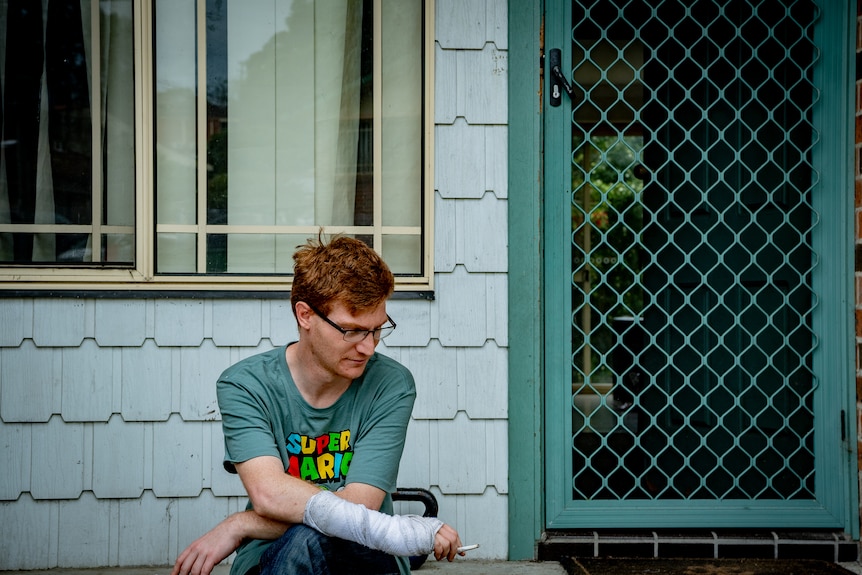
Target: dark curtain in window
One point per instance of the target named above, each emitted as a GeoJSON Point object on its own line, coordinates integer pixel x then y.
{"type": "Point", "coordinates": [45, 54]}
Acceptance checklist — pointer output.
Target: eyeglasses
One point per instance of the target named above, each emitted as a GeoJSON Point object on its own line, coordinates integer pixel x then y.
{"type": "Point", "coordinates": [357, 335]}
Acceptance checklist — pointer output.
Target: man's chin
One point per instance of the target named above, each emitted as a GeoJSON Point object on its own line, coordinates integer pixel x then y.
{"type": "Point", "coordinates": [353, 369]}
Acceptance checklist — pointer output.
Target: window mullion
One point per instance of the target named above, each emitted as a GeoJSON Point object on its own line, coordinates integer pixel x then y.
{"type": "Point", "coordinates": [96, 130]}
{"type": "Point", "coordinates": [377, 132]}
{"type": "Point", "coordinates": [201, 107]}
{"type": "Point", "coordinates": [144, 229]}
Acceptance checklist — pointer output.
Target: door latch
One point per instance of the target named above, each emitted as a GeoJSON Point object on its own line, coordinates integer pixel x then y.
{"type": "Point", "coordinates": [558, 79]}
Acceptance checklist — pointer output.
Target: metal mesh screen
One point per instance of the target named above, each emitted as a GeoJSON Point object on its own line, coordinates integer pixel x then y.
{"type": "Point", "coordinates": [691, 252]}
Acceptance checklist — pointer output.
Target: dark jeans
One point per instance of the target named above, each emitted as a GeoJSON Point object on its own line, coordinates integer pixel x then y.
{"type": "Point", "coordinates": [304, 551]}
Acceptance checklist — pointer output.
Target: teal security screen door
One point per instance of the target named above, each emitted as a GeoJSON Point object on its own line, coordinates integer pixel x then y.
{"type": "Point", "coordinates": [697, 370]}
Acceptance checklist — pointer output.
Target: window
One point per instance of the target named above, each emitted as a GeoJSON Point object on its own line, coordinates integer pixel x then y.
{"type": "Point", "coordinates": [204, 155]}
{"type": "Point", "coordinates": [68, 157]}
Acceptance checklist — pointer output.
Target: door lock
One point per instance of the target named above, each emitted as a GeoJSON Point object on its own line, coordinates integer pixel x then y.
{"type": "Point", "coordinates": [558, 79]}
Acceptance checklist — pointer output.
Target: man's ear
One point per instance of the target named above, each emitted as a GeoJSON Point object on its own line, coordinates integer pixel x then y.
{"type": "Point", "coordinates": [303, 314]}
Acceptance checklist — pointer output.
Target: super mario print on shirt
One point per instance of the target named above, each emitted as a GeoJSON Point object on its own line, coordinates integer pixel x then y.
{"type": "Point", "coordinates": [322, 459]}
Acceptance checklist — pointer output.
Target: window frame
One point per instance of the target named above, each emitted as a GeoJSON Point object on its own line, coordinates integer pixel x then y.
{"type": "Point", "coordinates": [142, 275]}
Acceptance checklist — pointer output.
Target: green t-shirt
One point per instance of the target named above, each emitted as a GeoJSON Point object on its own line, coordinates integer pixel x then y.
{"type": "Point", "coordinates": [358, 439]}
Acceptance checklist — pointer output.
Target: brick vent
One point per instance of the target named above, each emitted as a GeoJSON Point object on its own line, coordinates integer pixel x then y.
{"type": "Point", "coordinates": [823, 545]}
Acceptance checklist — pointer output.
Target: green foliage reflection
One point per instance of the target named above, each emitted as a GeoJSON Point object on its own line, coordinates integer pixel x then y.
{"type": "Point", "coordinates": [607, 218]}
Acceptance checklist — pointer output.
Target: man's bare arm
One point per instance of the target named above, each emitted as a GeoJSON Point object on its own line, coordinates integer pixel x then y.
{"type": "Point", "coordinates": [278, 496]}
{"type": "Point", "coordinates": [212, 548]}
{"type": "Point", "coordinates": [278, 501]}
{"type": "Point", "coordinates": [265, 477]}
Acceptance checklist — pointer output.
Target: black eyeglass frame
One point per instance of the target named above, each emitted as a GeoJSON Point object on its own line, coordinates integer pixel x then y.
{"type": "Point", "coordinates": [377, 333]}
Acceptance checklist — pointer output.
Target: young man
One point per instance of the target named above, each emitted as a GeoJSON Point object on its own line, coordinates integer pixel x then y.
{"type": "Point", "coordinates": [315, 431]}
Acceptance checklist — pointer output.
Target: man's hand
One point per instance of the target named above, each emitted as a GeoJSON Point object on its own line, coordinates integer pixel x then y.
{"type": "Point", "coordinates": [209, 550]}
{"type": "Point", "coordinates": [446, 543]}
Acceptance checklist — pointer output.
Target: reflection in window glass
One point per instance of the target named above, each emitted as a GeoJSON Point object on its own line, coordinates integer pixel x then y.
{"type": "Point", "coordinates": [281, 98]}
{"type": "Point", "coordinates": [67, 165]}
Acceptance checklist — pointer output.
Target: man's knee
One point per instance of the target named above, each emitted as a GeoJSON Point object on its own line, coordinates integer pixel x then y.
{"type": "Point", "coordinates": [306, 536]}
{"type": "Point", "coordinates": [304, 550]}
{"type": "Point", "coordinates": [300, 546]}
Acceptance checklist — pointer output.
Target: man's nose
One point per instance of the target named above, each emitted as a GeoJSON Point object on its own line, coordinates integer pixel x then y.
{"type": "Point", "coordinates": [367, 345]}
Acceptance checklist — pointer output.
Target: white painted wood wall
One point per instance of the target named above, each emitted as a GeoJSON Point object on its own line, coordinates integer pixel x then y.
{"type": "Point", "coordinates": [109, 432]}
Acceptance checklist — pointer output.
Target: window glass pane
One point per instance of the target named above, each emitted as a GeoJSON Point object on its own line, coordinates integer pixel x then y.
{"type": "Point", "coordinates": [67, 82]}
{"type": "Point", "coordinates": [176, 253]}
{"type": "Point", "coordinates": [401, 164]}
{"type": "Point", "coordinates": [403, 254]}
{"type": "Point", "coordinates": [250, 52]}
{"type": "Point", "coordinates": [119, 247]}
{"type": "Point", "coordinates": [251, 253]}
{"type": "Point", "coordinates": [285, 245]}
{"type": "Point", "coordinates": [175, 134]}
{"type": "Point", "coordinates": [117, 123]}
{"type": "Point", "coordinates": [288, 127]}
{"type": "Point", "coordinates": [292, 149]}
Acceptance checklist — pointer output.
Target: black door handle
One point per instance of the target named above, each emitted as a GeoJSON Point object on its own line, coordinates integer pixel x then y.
{"type": "Point", "coordinates": [558, 79]}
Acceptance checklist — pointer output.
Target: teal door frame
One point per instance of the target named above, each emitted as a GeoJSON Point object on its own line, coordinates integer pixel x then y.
{"type": "Point", "coordinates": [834, 364]}
{"type": "Point", "coordinates": [526, 462]}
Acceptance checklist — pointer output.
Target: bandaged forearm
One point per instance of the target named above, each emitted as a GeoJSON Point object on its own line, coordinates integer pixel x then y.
{"type": "Point", "coordinates": [403, 535]}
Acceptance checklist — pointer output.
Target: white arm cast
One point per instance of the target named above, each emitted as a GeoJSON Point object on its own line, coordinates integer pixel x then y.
{"type": "Point", "coordinates": [402, 535]}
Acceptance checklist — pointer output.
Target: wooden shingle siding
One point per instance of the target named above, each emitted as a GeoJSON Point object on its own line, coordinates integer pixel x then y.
{"type": "Point", "coordinates": [472, 308]}
{"type": "Point", "coordinates": [81, 527]}
{"type": "Point", "coordinates": [179, 323]}
{"type": "Point", "coordinates": [57, 460]}
{"type": "Point", "coordinates": [124, 532]}
{"type": "Point", "coordinates": [436, 382]}
{"type": "Point", "coordinates": [482, 73]}
{"type": "Point", "coordinates": [460, 157]}
{"type": "Point", "coordinates": [29, 383]}
{"type": "Point", "coordinates": [282, 325]}
{"type": "Point", "coordinates": [482, 371]}
{"type": "Point", "coordinates": [146, 382]}
{"type": "Point", "coordinates": [462, 308]}
{"type": "Point", "coordinates": [178, 458]}
{"type": "Point", "coordinates": [445, 87]}
{"type": "Point", "coordinates": [445, 254]}
{"type": "Point", "coordinates": [109, 425]}
{"type": "Point", "coordinates": [15, 449]}
{"type": "Point", "coordinates": [414, 324]}
{"type": "Point", "coordinates": [481, 226]}
{"type": "Point", "coordinates": [33, 528]}
{"type": "Point", "coordinates": [220, 482]}
{"type": "Point", "coordinates": [199, 369]}
{"type": "Point", "coordinates": [457, 441]}
{"type": "Point", "coordinates": [12, 331]}
{"type": "Point", "coordinates": [121, 323]}
{"type": "Point", "coordinates": [497, 160]}
{"type": "Point", "coordinates": [144, 530]}
{"type": "Point", "coordinates": [237, 322]}
{"type": "Point", "coordinates": [474, 158]}
{"type": "Point", "coordinates": [61, 323]}
{"type": "Point", "coordinates": [461, 24]}
{"type": "Point", "coordinates": [475, 443]}
{"type": "Point", "coordinates": [87, 381]}
{"type": "Point", "coordinates": [417, 471]}
{"type": "Point", "coordinates": [482, 517]}
{"type": "Point", "coordinates": [119, 458]}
